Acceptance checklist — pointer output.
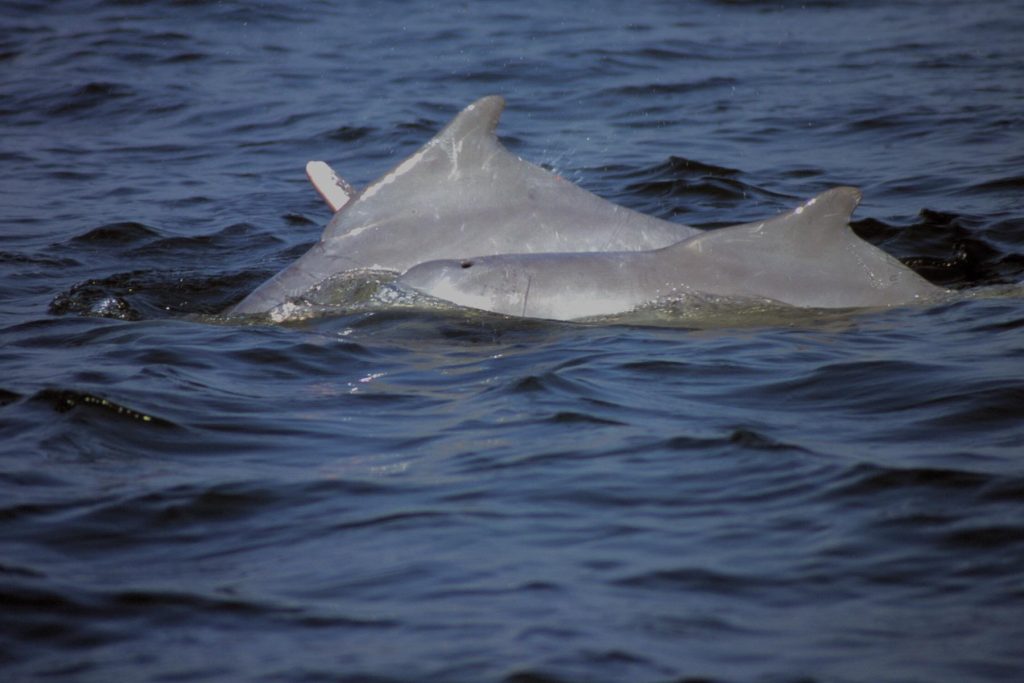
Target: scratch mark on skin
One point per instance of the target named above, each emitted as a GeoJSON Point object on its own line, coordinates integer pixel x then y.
{"type": "Point", "coordinates": [809, 204]}
{"type": "Point", "coordinates": [612, 236]}
{"type": "Point", "coordinates": [401, 170]}
{"type": "Point", "coordinates": [361, 229]}
{"type": "Point", "coordinates": [526, 296]}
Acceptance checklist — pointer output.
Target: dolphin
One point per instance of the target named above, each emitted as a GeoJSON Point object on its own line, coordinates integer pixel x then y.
{"type": "Point", "coordinates": [808, 257]}
{"type": "Point", "coordinates": [460, 194]}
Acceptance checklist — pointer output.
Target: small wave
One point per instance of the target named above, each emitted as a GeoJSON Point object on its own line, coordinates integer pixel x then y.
{"type": "Point", "coordinates": [145, 294]}
{"type": "Point", "coordinates": [186, 58]}
{"type": "Point", "coordinates": [94, 298]}
{"type": "Point", "coordinates": [1009, 183]}
{"type": "Point", "coordinates": [692, 180]}
{"type": "Point", "coordinates": [947, 249]}
{"type": "Point", "coordinates": [700, 580]}
{"type": "Point", "coordinates": [574, 417]}
{"type": "Point", "coordinates": [65, 400]}
{"type": "Point", "coordinates": [547, 383]}
{"type": "Point", "coordinates": [37, 260]}
{"type": "Point", "coordinates": [709, 187]}
{"type": "Point", "coordinates": [121, 232]}
{"type": "Point", "coordinates": [349, 133]}
{"type": "Point", "coordinates": [866, 478]}
{"type": "Point", "coordinates": [1007, 537]}
{"type": "Point", "coordinates": [89, 97]}
{"type": "Point", "coordinates": [154, 292]}
{"type": "Point", "coordinates": [659, 89]}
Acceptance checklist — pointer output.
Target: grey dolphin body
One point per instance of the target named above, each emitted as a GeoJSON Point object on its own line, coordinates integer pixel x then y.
{"type": "Point", "coordinates": [808, 257]}
{"type": "Point", "coordinates": [461, 194]}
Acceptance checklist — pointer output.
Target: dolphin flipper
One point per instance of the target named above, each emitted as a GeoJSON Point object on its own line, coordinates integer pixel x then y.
{"type": "Point", "coordinates": [331, 187]}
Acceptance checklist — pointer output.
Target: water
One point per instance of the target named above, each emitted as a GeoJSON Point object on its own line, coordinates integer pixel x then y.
{"type": "Point", "coordinates": [400, 495]}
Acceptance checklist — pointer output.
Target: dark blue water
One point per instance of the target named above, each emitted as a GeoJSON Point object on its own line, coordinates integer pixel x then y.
{"type": "Point", "coordinates": [402, 495]}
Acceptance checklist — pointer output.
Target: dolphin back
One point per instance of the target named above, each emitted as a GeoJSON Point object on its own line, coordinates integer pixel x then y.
{"type": "Point", "coordinates": [805, 257]}
{"type": "Point", "coordinates": [462, 194]}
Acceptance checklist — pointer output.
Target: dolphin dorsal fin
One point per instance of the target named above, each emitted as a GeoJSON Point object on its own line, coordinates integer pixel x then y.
{"type": "Point", "coordinates": [464, 185]}
{"type": "Point", "coordinates": [463, 143]}
{"type": "Point", "coordinates": [808, 256]}
{"type": "Point", "coordinates": [478, 119]}
{"type": "Point", "coordinates": [811, 229]}
{"type": "Point", "coordinates": [817, 223]}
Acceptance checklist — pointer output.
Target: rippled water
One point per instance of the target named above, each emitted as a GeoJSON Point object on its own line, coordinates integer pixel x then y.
{"type": "Point", "coordinates": [398, 494]}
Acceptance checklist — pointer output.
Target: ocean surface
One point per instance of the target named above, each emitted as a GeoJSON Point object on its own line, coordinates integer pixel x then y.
{"type": "Point", "coordinates": [396, 494]}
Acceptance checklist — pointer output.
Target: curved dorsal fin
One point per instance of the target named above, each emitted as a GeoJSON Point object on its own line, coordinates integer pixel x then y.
{"type": "Point", "coordinates": [479, 118]}
{"type": "Point", "coordinates": [463, 143]}
{"type": "Point", "coordinates": [806, 257]}
{"type": "Point", "coordinates": [809, 230]}
{"type": "Point", "coordinates": [818, 222]}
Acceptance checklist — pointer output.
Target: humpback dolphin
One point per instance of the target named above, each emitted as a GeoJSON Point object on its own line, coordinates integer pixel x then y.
{"type": "Point", "coordinates": [808, 257]}
{"type": "Point", "coordinates": [460, 194]}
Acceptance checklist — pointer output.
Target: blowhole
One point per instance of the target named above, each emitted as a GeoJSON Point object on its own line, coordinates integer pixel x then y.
{"type": "Point", "coordinates": [466, 264]}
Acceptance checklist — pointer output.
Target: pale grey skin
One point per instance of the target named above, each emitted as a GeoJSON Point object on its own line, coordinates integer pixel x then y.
{"type": "Point", "coordinates": [462, 194]}
{"type": "Point", "coordinates": [808, 257]}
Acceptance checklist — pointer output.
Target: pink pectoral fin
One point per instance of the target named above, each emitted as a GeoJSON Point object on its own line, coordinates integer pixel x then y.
{"type": "Point", "coordinates": [329, 185]}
